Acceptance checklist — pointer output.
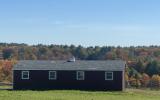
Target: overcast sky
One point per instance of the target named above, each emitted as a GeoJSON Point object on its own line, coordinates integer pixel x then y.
{"type": "Point", "coordinates": [80, 22]}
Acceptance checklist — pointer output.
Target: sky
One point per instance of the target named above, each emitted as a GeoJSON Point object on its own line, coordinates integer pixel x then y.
{"type": "Point", "coordinates": [80, 22]}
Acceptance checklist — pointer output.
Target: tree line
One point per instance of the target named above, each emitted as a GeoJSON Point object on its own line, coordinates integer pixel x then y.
{"type": "Point", "coordinates": [62, 52]}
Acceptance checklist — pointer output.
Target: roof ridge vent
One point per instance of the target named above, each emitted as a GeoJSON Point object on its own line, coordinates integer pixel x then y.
{"type": "Point", "coordinates": [72, 59]}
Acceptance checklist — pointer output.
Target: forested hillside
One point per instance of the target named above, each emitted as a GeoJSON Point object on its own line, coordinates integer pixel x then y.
{"type": "Point", "coordinates": [143, 62]}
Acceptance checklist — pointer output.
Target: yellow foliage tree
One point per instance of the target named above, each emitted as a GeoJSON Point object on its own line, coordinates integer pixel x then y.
{"type": "Point", "coordinates": [134, 82]}
{"type": "Point", "coordinates": [155, 81]}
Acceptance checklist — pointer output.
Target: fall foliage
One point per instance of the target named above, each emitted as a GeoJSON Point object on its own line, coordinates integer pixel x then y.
{"type": "Point", "coordinates": [155, 81]}
{"type": "Point", "coordinates": [6, 70]}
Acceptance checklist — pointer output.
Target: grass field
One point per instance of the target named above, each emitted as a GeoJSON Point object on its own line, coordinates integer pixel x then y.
{"type": "Point", "coordinates": [79, 95]}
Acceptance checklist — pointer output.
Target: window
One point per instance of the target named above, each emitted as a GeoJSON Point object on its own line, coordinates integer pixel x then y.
{"type": "Point", "coordinates": [108, 75]}
{"type": "Point", "coordinates": [52, 75]}
{"type": "Point", "coordinates": [25, 75]}
{"type": "Point", "coordinates": [80, 75]}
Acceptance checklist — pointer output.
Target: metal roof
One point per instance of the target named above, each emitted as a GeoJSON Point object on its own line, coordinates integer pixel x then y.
{"type": "Point", "coordinates": [109, 65]}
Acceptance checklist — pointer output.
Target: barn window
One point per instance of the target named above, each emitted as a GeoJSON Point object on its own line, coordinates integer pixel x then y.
{"type": "Point", "coordinates": [52, 75]}
{"type": "Point", "coordinates": [80, 75]}
{"type": "Point", "coordinates": [25, 75]}
{"type": "Point", "coordinates": [108, 75]}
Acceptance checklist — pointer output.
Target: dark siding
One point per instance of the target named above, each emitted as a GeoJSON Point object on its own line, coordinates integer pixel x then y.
{"type": "Point", "coordinates": [94, 80]}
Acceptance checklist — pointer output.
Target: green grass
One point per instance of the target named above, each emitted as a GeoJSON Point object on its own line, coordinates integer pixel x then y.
{"type": "Point", "coordinates": [5, 87]}
{"type": "Point", "coordinates": [79, 95]}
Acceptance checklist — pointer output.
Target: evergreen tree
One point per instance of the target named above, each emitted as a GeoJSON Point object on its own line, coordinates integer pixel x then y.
{"type": "Point", "coordinates": [153, 68]}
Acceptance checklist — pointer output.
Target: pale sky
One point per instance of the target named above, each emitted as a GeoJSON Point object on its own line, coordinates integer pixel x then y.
{"type": "Point", "coordinates": [80, 22]}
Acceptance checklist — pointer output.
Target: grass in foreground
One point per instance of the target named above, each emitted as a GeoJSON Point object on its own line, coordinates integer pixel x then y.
{"type": "Point", "coordinates": [79, 95]}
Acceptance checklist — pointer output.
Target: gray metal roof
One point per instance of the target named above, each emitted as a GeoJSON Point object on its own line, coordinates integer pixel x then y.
{"type": "Point", "coordinates": [109, 65]}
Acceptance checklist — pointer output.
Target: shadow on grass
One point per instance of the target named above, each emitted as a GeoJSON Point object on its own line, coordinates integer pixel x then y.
{"type": "Point", "coordinates": [62, 89]}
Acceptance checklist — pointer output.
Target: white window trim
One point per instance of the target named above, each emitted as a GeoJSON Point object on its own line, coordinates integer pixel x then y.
{"type": "Point", "coordinates": [106, 76]}
{"type": "Point", "coordinates": [82, 74]}
{"type": "Point", "coordinates": [23, 74]}
{"type": "Point", "coordinates": [49, 77]}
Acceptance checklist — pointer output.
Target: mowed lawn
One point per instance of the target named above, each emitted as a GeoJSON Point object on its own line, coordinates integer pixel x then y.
{"type": "Point", "coordinates": [79, 95]}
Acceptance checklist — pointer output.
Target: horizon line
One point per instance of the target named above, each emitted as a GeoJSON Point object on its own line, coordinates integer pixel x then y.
{"type": "Point", "coordinates": [76, 45]}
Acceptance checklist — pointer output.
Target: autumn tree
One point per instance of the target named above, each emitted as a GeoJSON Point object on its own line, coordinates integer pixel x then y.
{"type": "Point", "coordinates": [134, 82]}
{"type": "Point", "coordinates": [6, 70]}
{"type": "Point", "coordinates": [145, 80]}
{"type": "Point", "coordinates": [155, 81]}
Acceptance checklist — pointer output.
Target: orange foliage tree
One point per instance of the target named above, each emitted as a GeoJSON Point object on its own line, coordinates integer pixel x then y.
{"type": "Point", "coordinates": [6, 70]}
{"type": "Point", "coordinates": [145, 80]}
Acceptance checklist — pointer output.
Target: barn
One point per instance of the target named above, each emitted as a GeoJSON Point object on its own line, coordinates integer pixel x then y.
{"type": "Point", "coordinates": [81, 75]}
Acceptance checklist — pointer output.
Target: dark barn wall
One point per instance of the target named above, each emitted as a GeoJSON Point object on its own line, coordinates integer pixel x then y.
{"type": "Point", "coordinates": [94, 80]}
